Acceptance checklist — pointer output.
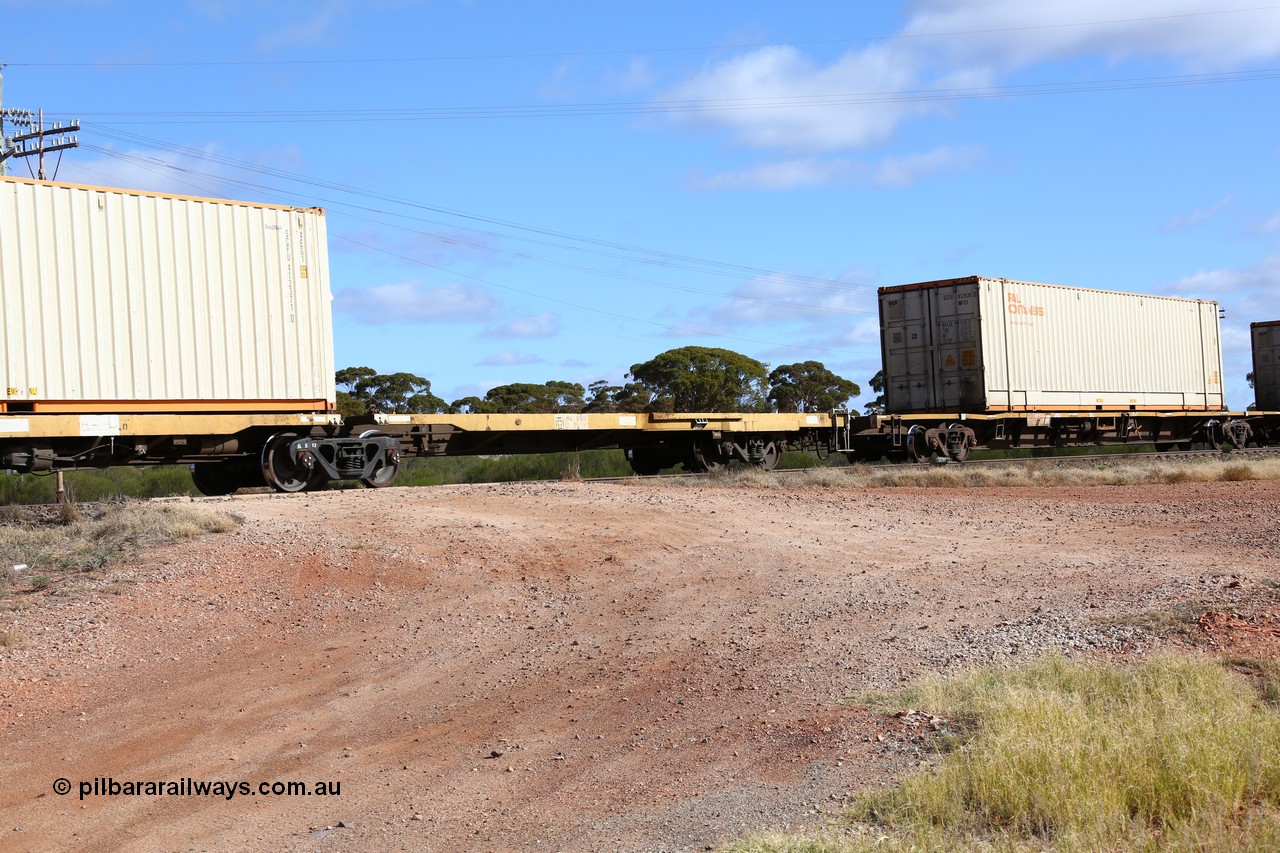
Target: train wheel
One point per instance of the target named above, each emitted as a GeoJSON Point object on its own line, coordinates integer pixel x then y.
{"type": "Point", "coordinates": [645, 461]}
{"type": "Point", "coordinates": [712, 466]}
{"type": "Point", "coordinates": [1213, 436]}
{"type": "Point", "coordinates": [385, 473]}
{"type": "Point", "coordinates": [279, 470]}
{"type": "Point", "coordinates": [216, 479]}
{"type": "Point", "coordinates": [917, 449]}
{"type": "Point", "coordinates": [771, 456]}
{"type": "Point", "coordinates": [708, 459]}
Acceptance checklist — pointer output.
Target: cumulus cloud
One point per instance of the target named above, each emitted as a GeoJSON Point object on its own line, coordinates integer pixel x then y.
{"type": "Point", "coordinates": [543, 325]}
{"type": "Point", "coordinates": [1010, 34]}
{"type": "Point", "coordinates": [902, 171]}
{"type": "Point", "coordinates": [413, 302]}
{"type": "Point", "coordinates": [1248, 294]}
{"type": "Point", "coordinates": [774, 299]}
{"type": "Point", "coordinates": [509, 357]}
{"type": "Point", "coordinates": [778, 99]}
{"type": "Point", "coordinates": [783, 175]}
{"type": "Point", "coordinates": [775, 97]}
{"type": "Point", "coordinates": [892, 171]}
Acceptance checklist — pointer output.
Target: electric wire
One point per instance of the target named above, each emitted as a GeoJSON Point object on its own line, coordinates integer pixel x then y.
{"type": "Point", "coordinates": [660, 107]}
{"type": "Point", "coordinates": [675, 329]}
{"type": "Point", "coordinates": [589, 245]}
{"type": "Point", "coordinates": [908, 36]}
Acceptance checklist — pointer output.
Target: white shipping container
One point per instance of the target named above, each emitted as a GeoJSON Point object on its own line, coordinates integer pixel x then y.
{"type": "Point", "coordinates": [1266, 365]}
{"type": "Point", "coordinates": [990, 344]}
{"type": "Point", "coordinates": [130, 301]}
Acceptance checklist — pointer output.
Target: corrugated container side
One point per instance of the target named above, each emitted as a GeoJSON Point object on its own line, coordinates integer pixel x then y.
{"type": "Point", "coordinates": [1266, 365]}
{"type": "Point", "coordinates": [115, 296]}
{"type": "Point", "coordinates": [981, 344]}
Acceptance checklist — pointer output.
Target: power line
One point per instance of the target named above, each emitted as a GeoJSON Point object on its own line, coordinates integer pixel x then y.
{"type": "Point", "coordinates": [576, 242]}
{"type": "Point", "coordinates": [154, 166]}
{"type": "Point", "coordinates": [619, 108]}
{"type": "Point", "coordinates": [627, 51]}
{"type": "Point", "coordinates": [601, 311]}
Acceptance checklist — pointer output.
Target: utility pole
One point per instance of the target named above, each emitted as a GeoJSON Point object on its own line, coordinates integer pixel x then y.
{"type": "Point", "coordinates": [37, 140]}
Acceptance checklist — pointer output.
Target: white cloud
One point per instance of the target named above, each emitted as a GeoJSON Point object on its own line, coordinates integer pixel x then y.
{"type": "Point", "coordinates": [778, 99]}
{"type": "Point", "coordinates": [412, 302]}
{"type": "Point", "coordinates": [892, 171]}
{"type": "Point", "coordinates": [902, 171]}
{"type": "Point", "coordinates": [1195, 217]}
{"type": "Point", "coordinates": [775, 97]}
{"type": "Point", "coordinates": [864, 332]}
{"type": "Point", "coordinates": [777, 299]}
{"type": "Point", "coordinates": [543, 325]}
{"type": "Point", "coordinates": [783, 175]}
{"type": "Point", "coordinates": [1010, 34]}
{"type": "Point", "coordinates": [510, 357]}
{"type": "Point", "coordinates": [639, 75]}
{"type": "Point", "coordinates": [1269, 225]}
{"type": "Point", "coordinates": [1247, 295]}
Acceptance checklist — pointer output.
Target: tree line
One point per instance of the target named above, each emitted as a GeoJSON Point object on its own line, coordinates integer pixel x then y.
{"type": "Point", "coordinates": [687, 379]}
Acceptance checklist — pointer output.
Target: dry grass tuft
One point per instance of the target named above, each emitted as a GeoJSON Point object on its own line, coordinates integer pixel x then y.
{"type": "Point", "coordinates": [572, 470]}
{"type": "Point", "coordinates": [1172, 753]}
{"type": "Point", "coordinates": [51, 544]}
{"type": "Point", "coordinates": [1046, 473]}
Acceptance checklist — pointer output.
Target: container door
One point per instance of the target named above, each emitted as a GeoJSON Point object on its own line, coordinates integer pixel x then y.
{"type": "Point", "coordinates": [1266, 366]}
{"type": "Point", "coordinates": [907, 351]}
{"type": "Point", "coordinates": [957, 368]}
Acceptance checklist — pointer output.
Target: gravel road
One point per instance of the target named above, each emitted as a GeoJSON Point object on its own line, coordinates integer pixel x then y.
{"type": "Point", "coordinates": [577, 666]}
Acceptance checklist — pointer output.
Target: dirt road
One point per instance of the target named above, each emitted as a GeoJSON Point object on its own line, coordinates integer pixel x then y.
{"type": "Point", "coordinates": [567, 666]}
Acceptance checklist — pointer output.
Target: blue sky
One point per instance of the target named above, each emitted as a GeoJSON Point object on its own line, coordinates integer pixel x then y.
{"type": "Point", "coordinates": [521, 192]}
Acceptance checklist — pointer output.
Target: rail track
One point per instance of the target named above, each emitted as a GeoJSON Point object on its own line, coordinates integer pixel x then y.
{"type": "Point", "coordinates": [942, 462]}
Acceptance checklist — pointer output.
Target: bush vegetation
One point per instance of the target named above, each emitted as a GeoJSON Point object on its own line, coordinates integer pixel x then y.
{"type": "Point", "coordinates": [1172, 753]}
{"type": "Point", "coordinates": [175, 480]}
{"type": "Point", "coordinates": [1126, 471]}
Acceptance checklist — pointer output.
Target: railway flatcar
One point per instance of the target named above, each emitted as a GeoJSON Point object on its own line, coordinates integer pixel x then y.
{"type": "Point", "coordinates": [980, 362]}
{"type": "Point", "coordinates": [145, 328]}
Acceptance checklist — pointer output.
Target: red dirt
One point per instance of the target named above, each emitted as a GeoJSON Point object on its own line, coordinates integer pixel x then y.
{"type": "Point", "coordinates": [570, 666]}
